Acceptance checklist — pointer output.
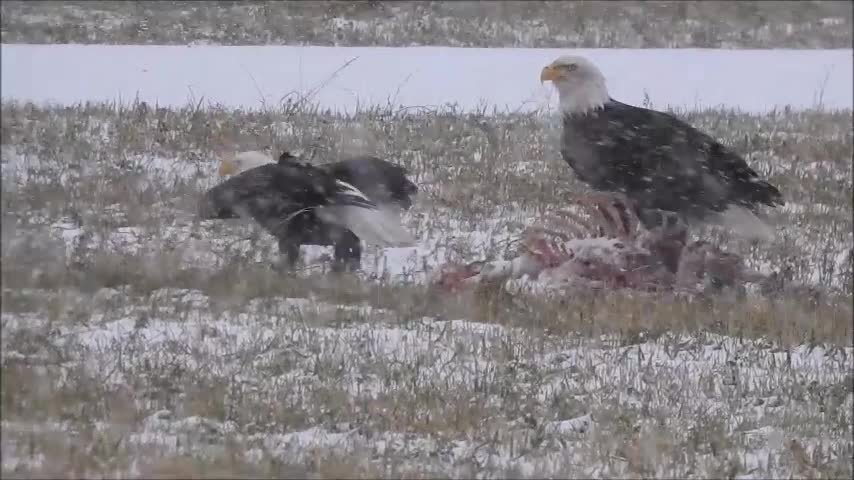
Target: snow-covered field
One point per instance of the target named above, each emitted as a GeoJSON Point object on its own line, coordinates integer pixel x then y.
{"type": "Point", "coordinates": [139, 342]}
{"type": "Point", "coordinates": [347, 79]}
{"type": "Point", "coordinates": [305, 383]}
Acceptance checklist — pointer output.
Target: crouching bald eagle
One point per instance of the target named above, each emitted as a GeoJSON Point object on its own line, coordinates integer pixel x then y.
{"type": "Point", "coordinates": [334, 204]}
{"type": "Point", "coordinates": [662, 164]}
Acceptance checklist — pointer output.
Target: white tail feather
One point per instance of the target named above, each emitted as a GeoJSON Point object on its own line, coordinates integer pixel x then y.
{"type": "Point", "coordinates": [375, 226]}
{"type": "Point", "coordinates": [745, 223]}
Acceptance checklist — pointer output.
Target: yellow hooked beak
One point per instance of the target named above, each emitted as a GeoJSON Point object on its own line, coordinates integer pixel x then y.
{"type": "Point", "coordinates": [550, 73]}
{"type": "Point", "coordinates": [226, 168]}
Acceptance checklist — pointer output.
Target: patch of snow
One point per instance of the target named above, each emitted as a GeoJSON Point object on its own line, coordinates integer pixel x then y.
{"type": "Point", "coordinates": [829, 21]}
{"type": "Point", "coordinates": [502, 78]}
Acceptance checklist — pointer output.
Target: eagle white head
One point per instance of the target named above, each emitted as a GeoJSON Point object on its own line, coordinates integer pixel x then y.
{"type": "Point", "coordinates": [580, 84]}
{"type": "Point", "coordinates": [242, 161]}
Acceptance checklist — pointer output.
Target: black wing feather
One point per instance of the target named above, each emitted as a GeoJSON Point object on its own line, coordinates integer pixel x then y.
{"type": "Point", "coordinates": [381, 181]}
{"type": "Point", "coordinates": [660, 161]}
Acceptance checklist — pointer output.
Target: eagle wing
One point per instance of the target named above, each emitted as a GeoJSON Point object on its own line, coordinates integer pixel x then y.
{"type": "Point", "coordinates": [382, 181]}
{"type": "Point", "coordinates": [660, 161]}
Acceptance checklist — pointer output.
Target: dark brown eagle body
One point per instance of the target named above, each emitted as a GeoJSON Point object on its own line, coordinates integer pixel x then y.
{"type": "Point", "coordinates": [660, 162]}
{"type": "Point", "coordinates": [286, 199]}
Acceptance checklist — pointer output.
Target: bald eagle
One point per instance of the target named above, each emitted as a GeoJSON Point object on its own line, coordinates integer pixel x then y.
{"type": "Point", "coordinates": [663, 165]}
{"type": "Point", "coordinates": [380, 187]}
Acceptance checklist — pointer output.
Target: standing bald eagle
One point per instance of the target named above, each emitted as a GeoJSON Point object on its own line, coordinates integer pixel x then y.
{"type": "Point", "coordinates": [659, 162]}
{"type": "Point", "coordinates": [382, 184]}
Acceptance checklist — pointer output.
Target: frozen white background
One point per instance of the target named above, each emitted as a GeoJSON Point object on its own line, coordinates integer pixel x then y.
{"type": "Point", "coordinates": [504, 78]}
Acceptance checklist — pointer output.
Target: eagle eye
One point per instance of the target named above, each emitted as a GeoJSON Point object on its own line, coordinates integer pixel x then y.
{"type": "Point", "coordinates": [572, 67]}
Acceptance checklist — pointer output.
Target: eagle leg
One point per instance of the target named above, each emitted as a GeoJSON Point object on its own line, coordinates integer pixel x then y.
{"type": "Point", "coordinates": [290, 249]}
{"type": "Point", "coordinates": [348, 253]}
